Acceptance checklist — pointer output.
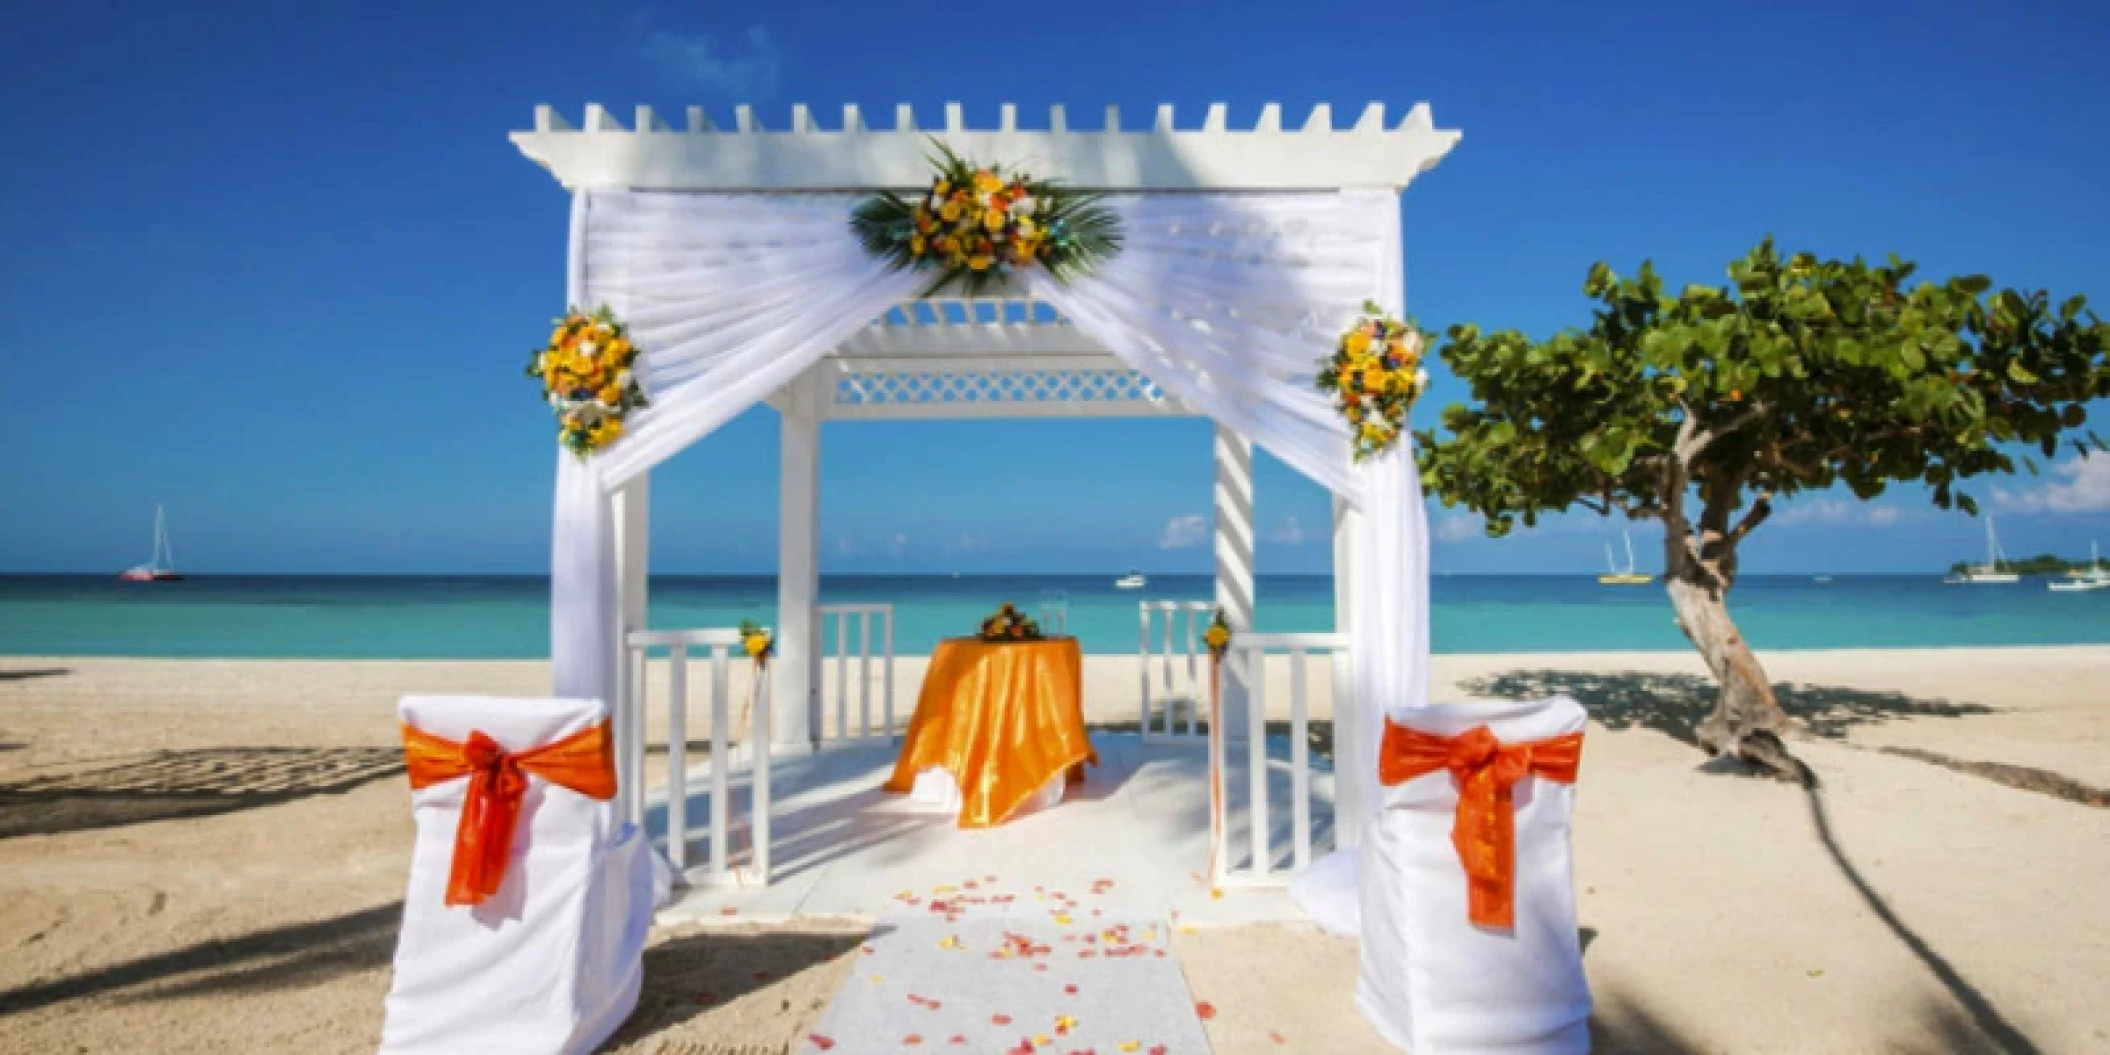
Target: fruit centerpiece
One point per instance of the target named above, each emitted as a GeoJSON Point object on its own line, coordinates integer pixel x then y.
{"type": "Point", "coordinates": [1009, 624]}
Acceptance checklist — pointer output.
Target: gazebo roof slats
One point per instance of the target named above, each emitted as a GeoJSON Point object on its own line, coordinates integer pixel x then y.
{"type": "Point", "coordinates": [700, 156]}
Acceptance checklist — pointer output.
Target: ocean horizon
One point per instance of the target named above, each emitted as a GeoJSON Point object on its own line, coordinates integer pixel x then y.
{"type": "Point", "coordinates": [507, 617]}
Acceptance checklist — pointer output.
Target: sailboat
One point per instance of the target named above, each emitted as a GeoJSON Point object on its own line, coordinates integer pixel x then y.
{"type": "Point", "coordinates": [2094, 577]}
{"type": "Point", "coordinates": [162, 568]}
{"type": "Point", "coordinates": [1134, 580]}
{"type": "Point", "coordinates": [1629, 577]}
{"type": "Point", "coordinates": [1989, 573]}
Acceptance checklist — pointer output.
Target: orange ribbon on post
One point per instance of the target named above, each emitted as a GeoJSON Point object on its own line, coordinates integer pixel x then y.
{"type": "Point", "coordinates": [483, 843]}
{"type": "Point", "coordinates": [1487, 772]}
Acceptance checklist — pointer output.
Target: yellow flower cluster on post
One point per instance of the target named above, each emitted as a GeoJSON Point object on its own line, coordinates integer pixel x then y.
{"type": "Point", "coordinates": [1008, 624]}
{"type": "Point", "coordinates": [982, 222]}
{"type": "Point", "coordinates": [1374, 376]}
{"type": "Point", "coordinates": [757, 642]}
{"type": "Point", "coordinates": [1218, 636]}
{"type": "Point", "coordinates": [587, 379]}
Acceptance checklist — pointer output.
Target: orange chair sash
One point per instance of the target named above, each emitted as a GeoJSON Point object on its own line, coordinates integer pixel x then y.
{"type": "Point", "coordinates": [583, 762]}
{"type": "Point", "coordinates": [1487, 772]}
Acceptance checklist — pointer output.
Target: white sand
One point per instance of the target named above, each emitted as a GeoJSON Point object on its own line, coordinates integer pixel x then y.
{"type": "Point", "coordinates": [216, 908]}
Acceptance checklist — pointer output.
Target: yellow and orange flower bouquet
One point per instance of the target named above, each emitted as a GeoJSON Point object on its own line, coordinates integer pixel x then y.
{"type": "Point", "coordinates": [588, 380]}
{"type": "Point", "coordinates": [1375, 375]}
{"type": "Point", "coordinates": [979, 223]}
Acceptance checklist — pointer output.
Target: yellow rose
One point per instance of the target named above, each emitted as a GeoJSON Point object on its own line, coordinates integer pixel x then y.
{"type": "Point", "coordinates": [1357, 343]}
{"type": "Point", "coordinates": [916, 245]}
{"type": "Point", "coordinates": [993, 221]}
{"type": "Point", "coordinates": [556, 336]}
{"type": "Point", "coordinates": [1373, 378]}
{"type": "Point", "coordinates": [980, 261]}
{"type": "Point", "coordinates": [987, 182]}
{"type": "Point", "coordinates": [612, 428]}
{"type": "Point", "coordinates": [756, 644]}
{"type": "Point", "coordinates": [611, 395]}
{"type": "Point", "coordinates": [949, 212]}
{"type": "Point", "coordinates": [943, 188]}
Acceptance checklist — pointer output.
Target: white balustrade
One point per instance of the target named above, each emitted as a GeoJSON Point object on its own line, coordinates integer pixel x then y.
{"type": "Point", "coordinates": [1182, 663]}
{"type": "Point", "coordinates": [722, 646]}
{"type": "Point", "coordinates": [843, 615]}
{"type": "Point", "coordinates": [1252, 650]}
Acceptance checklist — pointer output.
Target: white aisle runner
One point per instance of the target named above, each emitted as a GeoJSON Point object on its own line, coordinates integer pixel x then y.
{"type": "Point", "coordinates": [1034, 975]}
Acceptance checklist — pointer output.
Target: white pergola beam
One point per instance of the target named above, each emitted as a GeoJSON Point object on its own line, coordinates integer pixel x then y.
{"type": "Point", "coordinates": [603, 154]}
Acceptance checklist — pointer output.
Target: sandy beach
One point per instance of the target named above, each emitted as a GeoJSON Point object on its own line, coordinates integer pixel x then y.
{"type": "Point", "coordinates": [206, 855]}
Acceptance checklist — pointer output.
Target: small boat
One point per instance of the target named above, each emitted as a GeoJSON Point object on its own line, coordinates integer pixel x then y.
{"type": "Point", "coordinates": [2093, 577]}
{"type": "Point", "coordinates": [1990, 573]}
{"type": "Point", "coordinates": [162, 568]}
{"type": "Point", "coordinates": [1824, 578]}
{"type": "Point", "coordinates": [1132, 581]}
{"type": "Point", "coordinates": [1629, 577]}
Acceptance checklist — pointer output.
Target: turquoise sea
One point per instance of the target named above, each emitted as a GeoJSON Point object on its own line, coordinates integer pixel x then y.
{"type": "Point", "coordinates": [507, 617]}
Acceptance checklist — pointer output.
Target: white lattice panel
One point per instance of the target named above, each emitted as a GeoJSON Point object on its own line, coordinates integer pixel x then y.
{"type": "Point", "coordinates": [945, 393]}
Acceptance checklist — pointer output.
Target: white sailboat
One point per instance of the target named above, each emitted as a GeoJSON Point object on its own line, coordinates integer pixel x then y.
{"type": "Point", "coordinates": [1989, 573]}
{"type": "Point", "coordinates": [1132, 581]}
{"type": "Point", "coordinates": [2094, 577]}
{"type": "Point", "coordinates": [162, 568]}
{"type": "Point", "coordinates": [1629, 577]}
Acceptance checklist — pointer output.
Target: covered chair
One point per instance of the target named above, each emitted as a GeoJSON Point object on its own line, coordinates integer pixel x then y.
{"type": "Point", "coordinates": [1456, 958]}
{"type": "Point", "coordinates": [538, 947]}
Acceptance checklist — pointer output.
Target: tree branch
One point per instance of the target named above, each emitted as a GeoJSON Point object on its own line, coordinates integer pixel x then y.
{"type": "Point", "coordinates": [1694, 441]}
{"type": "Point", "coordinates": [1761, 508]}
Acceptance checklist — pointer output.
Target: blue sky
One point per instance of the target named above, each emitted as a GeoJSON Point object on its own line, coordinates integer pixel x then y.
{"type": "Point", "coordinates": [277, 265]}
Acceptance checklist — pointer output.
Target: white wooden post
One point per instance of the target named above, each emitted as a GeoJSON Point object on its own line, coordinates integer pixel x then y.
{"type": "Point", "coordinates": [1299, 764]}
{"type": "Point", "coordinates": [1256, 758]}
{"type": "Point", "coordinates": [1234, 558]}
{"type": "Point", "coordinates": [864, 674]}
{"type": "Point", "coordinates": [796, 682]}
{"type": "Point", "coordinates": [721, 760]}
{"type": "Point", "coordinates": [678, 758]}
{"type": "Point", "coordinates": [887, 671]}
{"type": "Point", "coordinates": [758, 791]}
{"type": "Point", "coordinates": [1143, 664]}
{"type": "Point", "coordinates": [633, 537]}
{"type": "Point", "coordinates": [1348, 811]}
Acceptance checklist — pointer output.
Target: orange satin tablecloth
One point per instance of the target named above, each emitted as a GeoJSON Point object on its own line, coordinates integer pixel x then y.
{"type": "Point", "coordinates": [1003, 718]}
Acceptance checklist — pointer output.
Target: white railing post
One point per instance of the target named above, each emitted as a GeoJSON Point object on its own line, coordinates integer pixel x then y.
{"type": "Point", "coordinates": [678, 756]}
{"type": "Point", "coordinates": [842, 676]}
{"type": "Point", "coordinates": [758, 788]}
{"type": "Point", "coordinates": [1143, 664]}
{"type": "Point", "coordinates": [629, 780]}
{"type": "Point", "coordinates": [1194, 690]}
{"type": "Point", "coordinates": [1299, 765]}
{"type": "Point", "coordinates": [721, 762]}
{"type": "Point", "coordinates": [887, 672]}
{"type": "Point", "coordinates": [864, 674]}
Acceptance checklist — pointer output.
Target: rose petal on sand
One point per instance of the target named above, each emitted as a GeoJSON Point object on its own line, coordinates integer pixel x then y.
{"type": "Point", "coordinates": [1204, 1010]}
{"type": "Point", "coordinates": [821, 1042]}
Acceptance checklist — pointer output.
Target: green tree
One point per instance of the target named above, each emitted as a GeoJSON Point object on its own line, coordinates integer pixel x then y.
{"type": "Point", "coordinates": [1701, 409]}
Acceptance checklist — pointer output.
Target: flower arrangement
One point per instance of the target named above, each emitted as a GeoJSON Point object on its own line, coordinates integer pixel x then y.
{"type": "Point", "coordinates": [1009, 624]}
{"type": "Point", "coordinates": [1375, 375]}
{"type": "Point", "coordinates": [587, 379]}
{"type": "Point", "coordinates": [979, 223]}
{"type": "Point", "coordinates": [757, 642]}
{"type": "Point", "coordinates": [1218, 636]}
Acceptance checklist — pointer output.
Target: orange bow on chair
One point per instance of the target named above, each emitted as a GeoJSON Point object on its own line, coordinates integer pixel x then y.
{"type": "Point", "coordinates": [1486, 770]}
{"type": "Point", "coordinates": [583, 762]}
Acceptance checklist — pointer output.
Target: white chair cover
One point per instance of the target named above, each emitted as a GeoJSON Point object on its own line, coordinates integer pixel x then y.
{"type": "Point", "coordinates": [1432, 982]}
{"type": "Point", "coordinates": [552, 962]}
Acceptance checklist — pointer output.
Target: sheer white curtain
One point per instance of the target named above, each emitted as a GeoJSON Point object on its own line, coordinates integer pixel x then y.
{"type": "Point", "coordinates": [729, 296]}
{"type": "Point", "coordinates": [1226, 301]}
{"type": "Point", "coordinates": [1229, 302]}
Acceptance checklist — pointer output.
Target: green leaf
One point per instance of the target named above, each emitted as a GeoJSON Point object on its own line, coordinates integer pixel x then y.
{"type": "Point", "coordinates": [2020, 374]}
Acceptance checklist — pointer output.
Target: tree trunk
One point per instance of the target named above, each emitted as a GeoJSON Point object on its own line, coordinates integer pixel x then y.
{"type": "Point", "coordinates": [1747, 721]}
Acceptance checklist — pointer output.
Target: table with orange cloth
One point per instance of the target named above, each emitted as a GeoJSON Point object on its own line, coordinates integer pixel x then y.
{"type": "Point", "coordinates": [1003, 717]}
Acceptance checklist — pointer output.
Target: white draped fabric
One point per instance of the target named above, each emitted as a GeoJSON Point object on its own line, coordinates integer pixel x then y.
{"type": "Point", "coordinates": [1227, 302]}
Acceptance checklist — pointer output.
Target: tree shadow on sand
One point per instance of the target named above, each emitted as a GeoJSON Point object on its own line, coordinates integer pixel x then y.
{"type": "Point", "coordinates": [29, 673]}
{"type": "Point", "coordinates": [289, 957]}
{"type": "Point", "coordinates": [689, 974]}
{"type": "Point", "coordinates": [1672, 704]}
{"type": "Point", "coordinates": [167, 785]}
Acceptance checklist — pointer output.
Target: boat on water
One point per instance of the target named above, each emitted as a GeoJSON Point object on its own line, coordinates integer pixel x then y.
{"type": "Point", "coordinates": [1989, 573]}
{"type": "Point", "coordinates": [2093, 577]}
{"type": "Point", "coordinates": [1132, 581]}
{"type": "Point", "coordinates": [1616, 577]}
{"type": "Point", "coordinates": [162, 568]}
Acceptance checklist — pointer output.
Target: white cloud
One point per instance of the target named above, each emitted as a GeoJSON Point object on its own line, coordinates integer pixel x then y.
{"type": "Point", "coordinates": [1837, 511]}
{"type": "Point", "coordinates": [747, 67]}
{"type": "Point", "coordinates": [2079, 486]}
{"type": "Point", "coordinates": [1459, 528]}
{"type": "Point", "coordinates": [1184, 532]}
{"type": "Point", "coordinates": [1288, 533]}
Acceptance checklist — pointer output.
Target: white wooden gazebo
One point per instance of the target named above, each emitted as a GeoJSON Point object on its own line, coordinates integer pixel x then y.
{"type": "Point", "coordinates": [1009, 355]}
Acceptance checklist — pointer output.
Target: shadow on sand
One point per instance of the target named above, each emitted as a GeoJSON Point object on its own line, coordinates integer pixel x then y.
{"type": "Point", "coordinates": [687, 975]}
{"type": "Point", "coordinates": [1672, 704]}
{"type": "Point", "coordinates": [289, 957]}
{"type": "Point", "coordinates": [205, 782]}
